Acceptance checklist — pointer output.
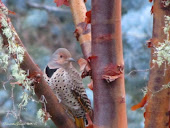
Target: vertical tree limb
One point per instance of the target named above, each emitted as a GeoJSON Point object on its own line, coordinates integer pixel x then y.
{"type": "Point", "coordinates": [107, 51]}
{"type": "Point", "coordinates": [55, 109]}
{"type": "Point", "coordinates": [158, 107]}
{"type": "Point", "coordinates": [78, 10]}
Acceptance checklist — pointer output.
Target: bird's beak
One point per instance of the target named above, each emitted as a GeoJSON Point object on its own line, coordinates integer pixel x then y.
{"type": "Point", "coordinates": [71, 60]}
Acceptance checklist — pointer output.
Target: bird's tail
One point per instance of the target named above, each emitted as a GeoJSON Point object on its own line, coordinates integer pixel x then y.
{"type": "Point", "coordinates": [79, 122]}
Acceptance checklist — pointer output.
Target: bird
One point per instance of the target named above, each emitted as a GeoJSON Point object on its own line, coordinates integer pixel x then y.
{"type": "Point", "coordinates": [66, 83]}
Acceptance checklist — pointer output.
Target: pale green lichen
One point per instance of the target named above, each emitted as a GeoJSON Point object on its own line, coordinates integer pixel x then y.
{"type": "Point", "coordinates": [4, 60]}
{"type": "Point", "coordinates": [163, 55]}
{"type": "Point", "coordinates": [15, 51]}
{"type": "Point", "coordinates": [146, 89]}
{"type": "Point", "coordinates": [167, 26]}
{"type": "Point", "coordinates": [166, 86]}
{"type": "Point", "coordinates": [3, 56]}
{"type": "Point", "coordinates": [7, 32]}
{"type": "Point", "coordinates": [163, 50]}
{"type": "Point", "coordinates": [3, 9]}
{"type": "Point", "coordinates": [21, 76]}
{"type": "Point", "coordinates": [1, 42]}
{"type": "Point", "coordinates": [20, 53]}
{"type": "Point", "coordinates": [41, 115]}
{"type": "Point", "coordinates": [3, 22]}
{"type": "Point", "coordinates": [25, 99]}
{"type": "Point", "coordinates": [166, 3]}
{"type": "Point", "coordinates": [18, 73]}
{"type": "Point", "coordinates": [12, 47]}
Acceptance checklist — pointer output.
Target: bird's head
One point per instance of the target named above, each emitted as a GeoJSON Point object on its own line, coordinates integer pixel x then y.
{"type": "Point", "coordinates": [60, 57]}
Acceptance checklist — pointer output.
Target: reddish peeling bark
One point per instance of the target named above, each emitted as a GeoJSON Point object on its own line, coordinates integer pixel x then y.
{"type": "Point", "coordinates": [83, 31]}
{"type": "Point", "coordinates": [59, 117]}
{"type": "Point", "coordinates": [109, 98]}
{"type": "Point", "coordinates": [157, 113]}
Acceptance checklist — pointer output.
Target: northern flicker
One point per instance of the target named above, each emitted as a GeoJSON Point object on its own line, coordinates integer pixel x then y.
{"type": "Point", "coordinates": [66, 83]}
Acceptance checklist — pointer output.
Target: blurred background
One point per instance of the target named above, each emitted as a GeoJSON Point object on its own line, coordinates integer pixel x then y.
{"type": "Point", "coordinates": [43, 28]}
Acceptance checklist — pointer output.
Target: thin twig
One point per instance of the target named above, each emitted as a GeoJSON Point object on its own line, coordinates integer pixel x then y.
{"type": "Point", "coordinates": [48, 8]}
{"type": "Point", "coordinates": [44, 102]}
{"type": "Point", "coordinates": [141, 70]}
{"type": "Point", "coordinates": [5, 82]}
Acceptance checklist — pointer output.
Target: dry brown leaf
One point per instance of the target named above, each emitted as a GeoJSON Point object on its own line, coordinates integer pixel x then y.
{"type": "Point", "coordinates": [141, 104]}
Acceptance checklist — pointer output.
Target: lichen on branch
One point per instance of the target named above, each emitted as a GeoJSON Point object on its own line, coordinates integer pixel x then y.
{"type": "Point", "coordinates": [162, 51]}
{"type": "Point", "coordinates": [15, 51]}
{"type": "Point", "coordinates": [23, 64]}
{"type": "Point", "coordinates": [12, 52]}
{"type": "Point", "coordinates": [165, 3]}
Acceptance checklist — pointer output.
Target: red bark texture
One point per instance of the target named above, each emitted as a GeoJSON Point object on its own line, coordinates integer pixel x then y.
{"type": "Point", "coordinates": [109, 98]}
{"type": "Point", "coordinates": [157, 113]}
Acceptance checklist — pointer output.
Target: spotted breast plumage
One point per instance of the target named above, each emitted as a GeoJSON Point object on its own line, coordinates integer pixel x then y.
{"type": "Point", "coordinates": [66, 83]}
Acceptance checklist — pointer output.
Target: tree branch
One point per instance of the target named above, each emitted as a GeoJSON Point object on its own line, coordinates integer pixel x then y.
{"type": "Point", "coordinates": [78, 10]}
{"type": "Point", "coordinates": [48, 8]}
{"type": "Point", "coordinates": [59, 117]}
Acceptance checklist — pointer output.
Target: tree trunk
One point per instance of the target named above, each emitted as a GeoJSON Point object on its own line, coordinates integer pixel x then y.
{"type": "Point", "coordinates": [157, 113]}
{"type": "Point", "coordinates": [107, 53]}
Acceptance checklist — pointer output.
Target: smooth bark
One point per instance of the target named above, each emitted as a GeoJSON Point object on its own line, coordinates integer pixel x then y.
{"type": "Point", "coordinates": [109, 98]}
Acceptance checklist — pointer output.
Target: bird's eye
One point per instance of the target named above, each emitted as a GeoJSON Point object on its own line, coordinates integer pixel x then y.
{"type": "Point", "coordinates": [61, 56]}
